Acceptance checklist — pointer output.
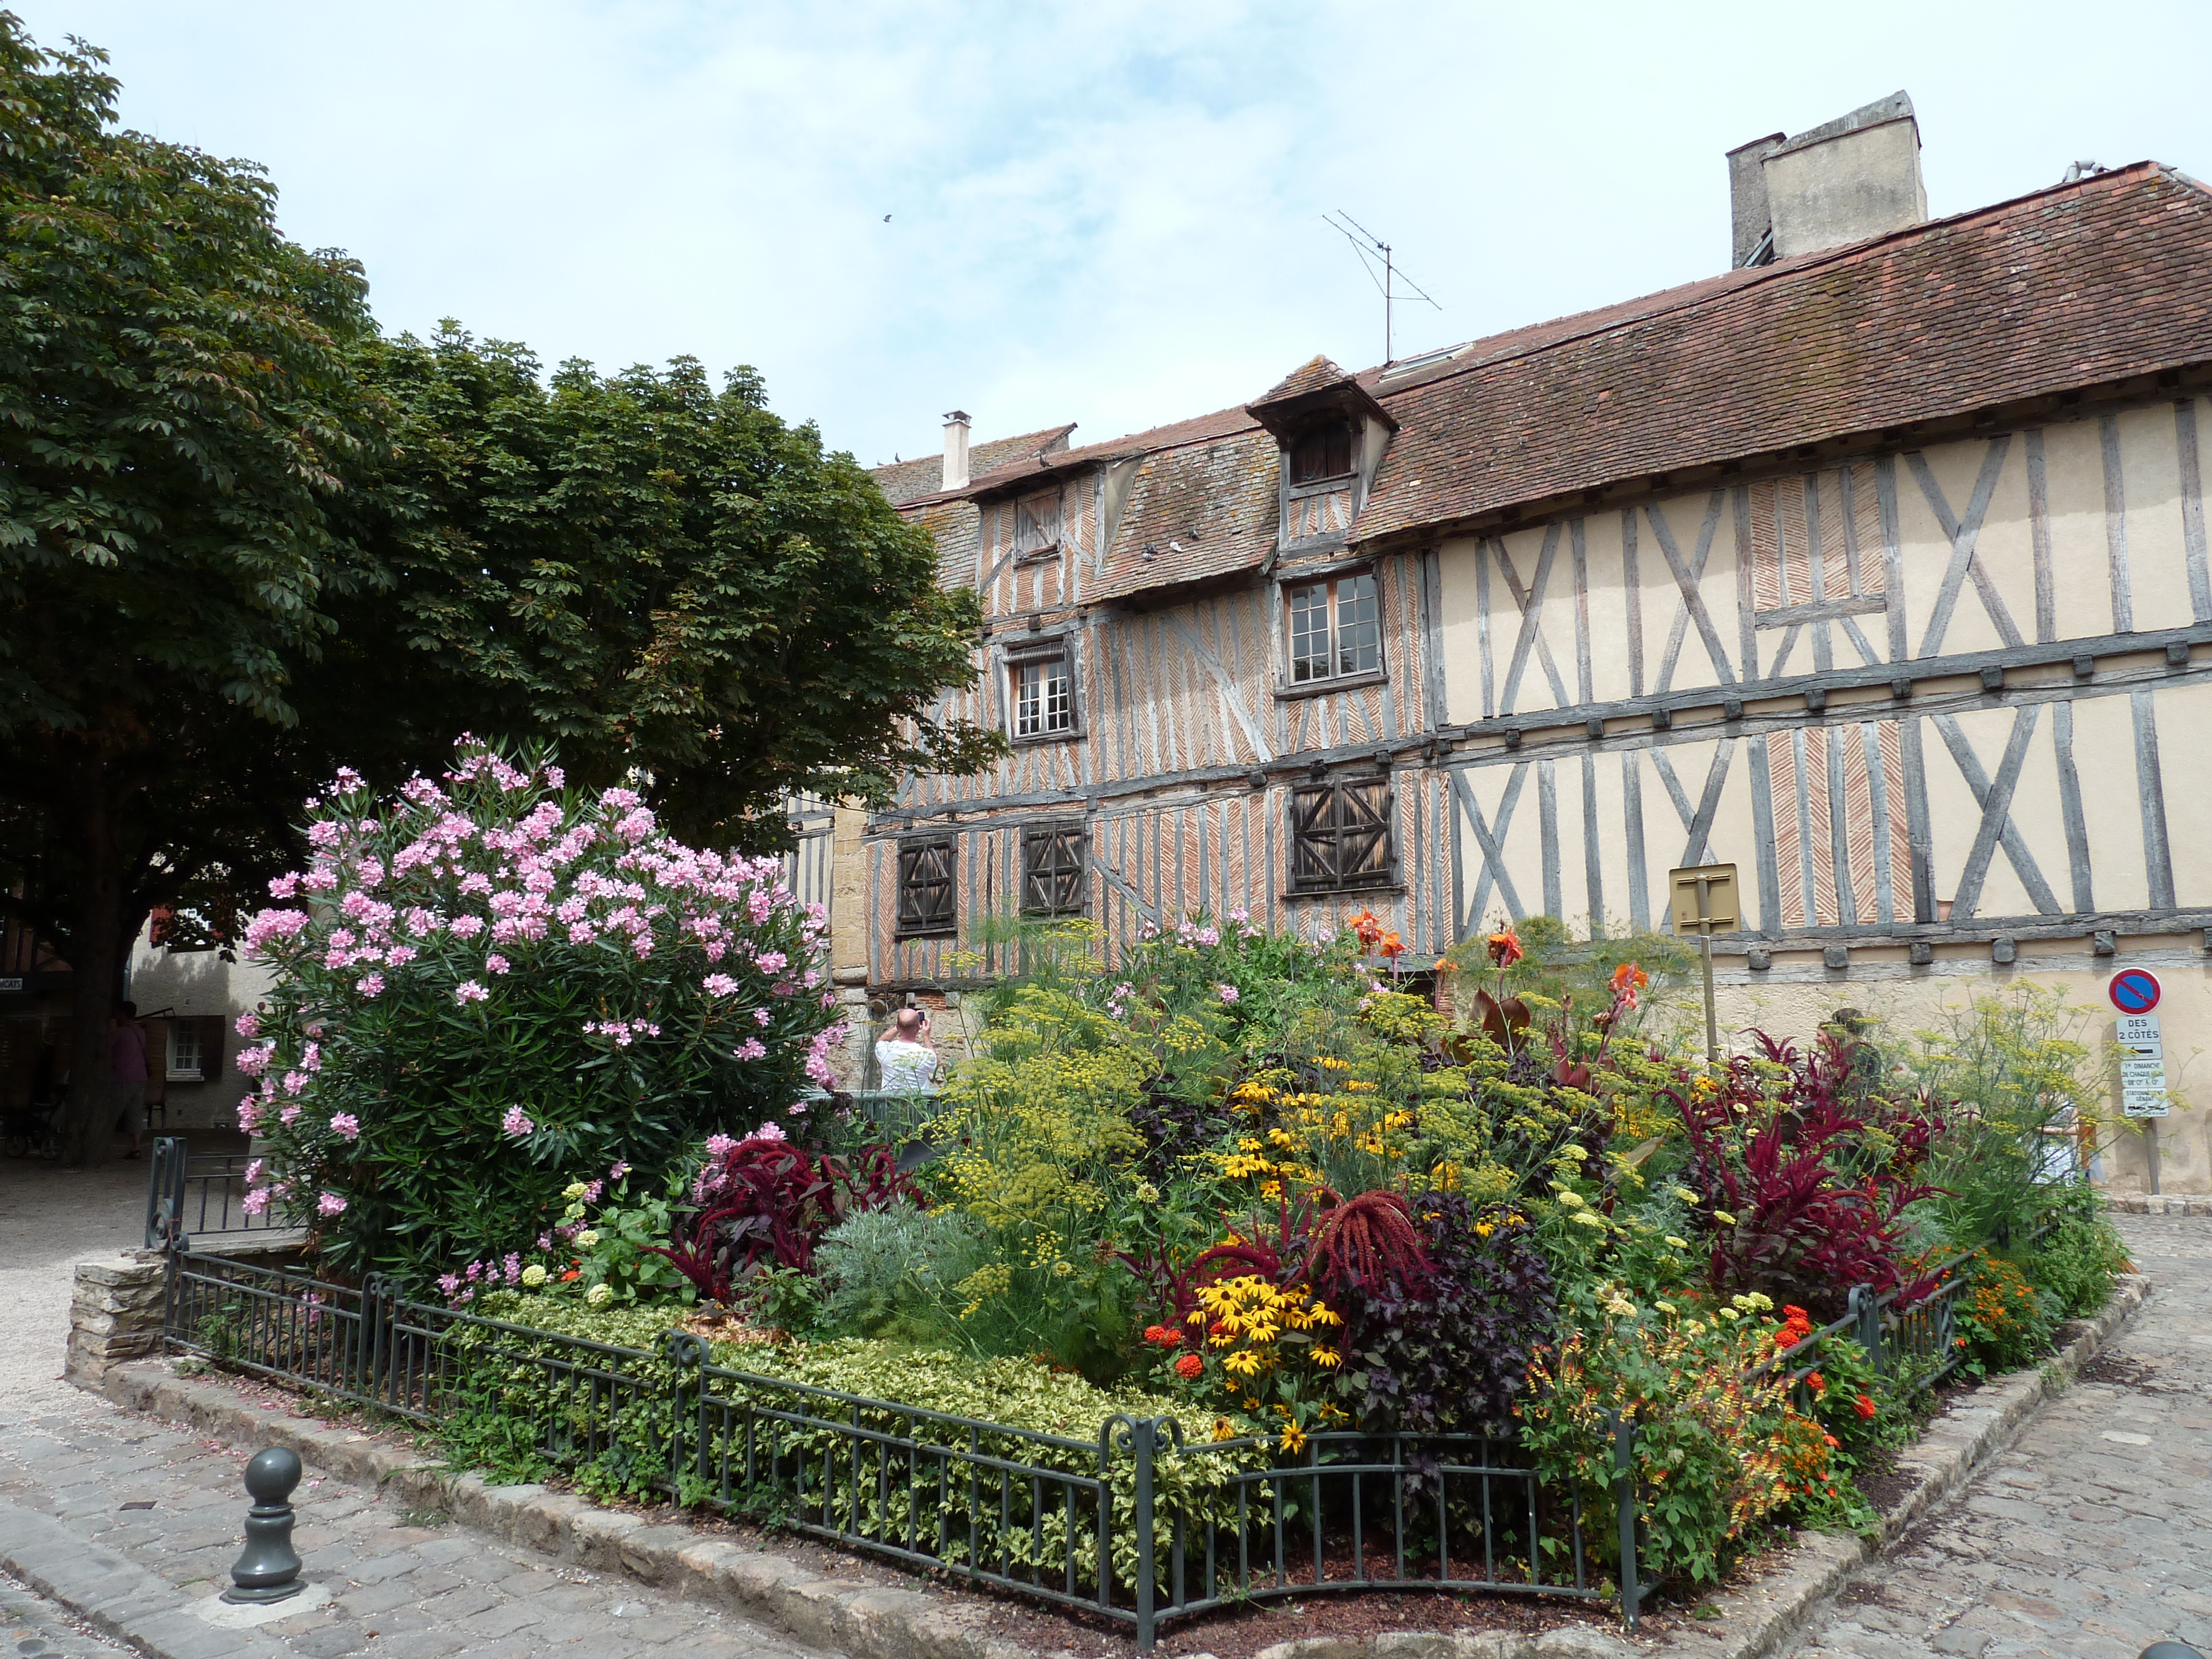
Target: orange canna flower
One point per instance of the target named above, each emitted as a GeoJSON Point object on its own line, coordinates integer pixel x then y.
{"type": "Point", "coordinates": [1369, 929]}
{"type": "Point", "coordinates": [1505, 948]}
{"type": "Point", "coordinates": [1392, 946]}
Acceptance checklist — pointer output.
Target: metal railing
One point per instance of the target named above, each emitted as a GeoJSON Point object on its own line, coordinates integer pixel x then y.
{"type": "Point", "coordinates": [196, 1195]}
{"type": "Point", "coordinates": [1909, 1333]}
{"type": "Point", "coordinates": [1135, 1525]}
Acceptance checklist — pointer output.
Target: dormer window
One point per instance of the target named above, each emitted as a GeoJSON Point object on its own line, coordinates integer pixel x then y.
{"type": "Point", "coordinates": [1322, 452]}
{"type": "Point", "coordinates": [1036, 525]}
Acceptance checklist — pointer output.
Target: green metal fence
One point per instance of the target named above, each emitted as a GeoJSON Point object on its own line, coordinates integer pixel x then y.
{"type": "Point", "coordinates": [1136, 1525]}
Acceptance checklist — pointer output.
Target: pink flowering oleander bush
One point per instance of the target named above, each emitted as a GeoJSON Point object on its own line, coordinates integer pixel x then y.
{"type": "Point", "coordinates": [488, 986]}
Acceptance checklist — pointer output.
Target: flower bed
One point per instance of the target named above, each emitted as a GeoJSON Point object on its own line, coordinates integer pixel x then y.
{"type": "Point", "coordinates": [1242, 1265]}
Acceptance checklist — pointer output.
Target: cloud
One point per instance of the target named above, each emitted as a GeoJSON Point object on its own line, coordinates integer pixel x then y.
{"type": "Point", "coordinates": [1108, 213]}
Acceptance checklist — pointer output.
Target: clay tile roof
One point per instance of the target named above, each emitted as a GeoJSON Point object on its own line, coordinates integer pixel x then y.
{"type": "Point", "coordinates": [1204, 507]}
{"type": "Point", "coordinates": [1315, 374]}
{"type": "Point", "coordinates": [2083, 283]}
{"type": "Point", "coordinates": [905, 481]}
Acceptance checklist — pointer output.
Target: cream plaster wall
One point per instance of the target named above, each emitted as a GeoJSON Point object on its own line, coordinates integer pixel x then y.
{"type": "Point", "coordinates": [199, 983]}
{"type": "Point", "coordinates": [1631, 607]}
{"type": "Point", "coordinates": [1797, 993]}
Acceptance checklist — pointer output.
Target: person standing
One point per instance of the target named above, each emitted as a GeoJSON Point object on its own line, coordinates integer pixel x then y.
{"type": "Point", "coordinates": [903, 1057]}
{"type": "Point", "coordinates": [126, 1072]}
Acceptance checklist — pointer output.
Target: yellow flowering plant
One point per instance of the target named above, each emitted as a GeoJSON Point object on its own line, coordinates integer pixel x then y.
{"type": "Point", "coordinates": [1260, 1353]}
{"type": "Point", "coordinates": [1713, 1434]}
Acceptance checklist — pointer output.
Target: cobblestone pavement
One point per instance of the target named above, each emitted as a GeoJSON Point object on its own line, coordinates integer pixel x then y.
{"type": "Point", "coordinates": [33, 1628]}
{"type": "Point", "coordinates": [2092, 1537]}
{"type": "Point", "coordinates": [402, 1586]}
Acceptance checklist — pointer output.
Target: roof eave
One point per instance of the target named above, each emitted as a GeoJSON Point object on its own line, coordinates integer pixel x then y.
{"type": "Point", "coordinates": [2055, 405]}
{"type": "Point", "coordinates": [1284, 414]}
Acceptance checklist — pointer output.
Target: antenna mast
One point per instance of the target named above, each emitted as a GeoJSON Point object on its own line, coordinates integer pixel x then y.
{"type": "Point", "coordinates": [1369, 247]}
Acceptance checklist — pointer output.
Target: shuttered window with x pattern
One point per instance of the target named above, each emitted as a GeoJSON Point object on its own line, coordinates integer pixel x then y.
{"type": "Point", "coordinates": [1340, 836]}
{"type": "Point", "coordinates": [1052, 870]}
{"type": "Point", "coordinates": [926, 897]}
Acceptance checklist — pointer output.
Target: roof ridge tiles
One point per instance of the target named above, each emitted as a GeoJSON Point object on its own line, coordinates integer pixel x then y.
{"type": "Point", "coordinates": [1471, 359]}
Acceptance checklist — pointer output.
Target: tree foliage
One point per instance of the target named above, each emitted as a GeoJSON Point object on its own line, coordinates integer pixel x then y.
{"type": "Point", "coordinates": [177, 411]}
{"type": "Point", "coordinates": [245, 540]}
{"type": "Point", "coordinates": [652, 572]}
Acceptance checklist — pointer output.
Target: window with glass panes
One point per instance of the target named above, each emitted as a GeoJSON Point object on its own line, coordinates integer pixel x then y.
{"type": "Point", "coordinates": [1044, 697]}
{"type": "Point", "coordinates": [1336, 628]}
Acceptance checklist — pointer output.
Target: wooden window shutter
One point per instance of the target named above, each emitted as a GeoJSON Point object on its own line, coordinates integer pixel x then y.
{"type": "Point", "coordinates": [926, 901]}
{"type": "Point", "coordinates": [1052, 870]}
{"type": "Point", "coordinates": [1340, 836]}
{"type": "Point", "coordinates": [1313, 838]}
{"type": "Point", "coordinates": [1363, 841]}
{"type": "Point", "coordinates": [213, 1029]}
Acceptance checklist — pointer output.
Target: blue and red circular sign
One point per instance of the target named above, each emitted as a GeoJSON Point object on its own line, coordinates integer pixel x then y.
{"type": "Point", "coordinates": [2133, 991]}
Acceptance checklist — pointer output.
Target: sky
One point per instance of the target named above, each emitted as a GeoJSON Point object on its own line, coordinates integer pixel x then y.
{"type": "Point", "coordinates": [1109, 214]}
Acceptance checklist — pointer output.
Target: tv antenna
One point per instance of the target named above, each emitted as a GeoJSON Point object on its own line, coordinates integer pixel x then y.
{"type": "Point", "coordinates": [1373, 250]}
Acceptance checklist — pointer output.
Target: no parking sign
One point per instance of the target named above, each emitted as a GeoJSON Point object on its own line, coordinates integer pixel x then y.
{"type": "Point", "coordinates": [2134, 991]}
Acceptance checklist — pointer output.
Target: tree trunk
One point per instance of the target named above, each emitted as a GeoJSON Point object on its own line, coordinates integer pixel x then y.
{"type": "Point", "coordinates": [94, 956]}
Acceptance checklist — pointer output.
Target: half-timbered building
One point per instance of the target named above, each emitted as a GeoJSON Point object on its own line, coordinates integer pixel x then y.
{"type": "Point", "coordinates": [1876, 565]}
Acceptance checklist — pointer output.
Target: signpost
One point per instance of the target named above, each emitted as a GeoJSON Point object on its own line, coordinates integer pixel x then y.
{"type": "Point", "coordinates": [2141, 1043]}
{"type": "Point", "coordinates": [1705, 903]}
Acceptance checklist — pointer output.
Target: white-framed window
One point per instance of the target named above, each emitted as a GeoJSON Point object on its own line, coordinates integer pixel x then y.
{"type": "Point", "coordinates": [1043, 695]}
{"type": "Point", "coordinates": [185, 1060]}
{"type": "Point", "coordinates": [1335, 629]}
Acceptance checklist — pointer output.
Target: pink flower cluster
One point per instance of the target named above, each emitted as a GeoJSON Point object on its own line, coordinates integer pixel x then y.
{"type": "Point", "coordinates": [488, 874]}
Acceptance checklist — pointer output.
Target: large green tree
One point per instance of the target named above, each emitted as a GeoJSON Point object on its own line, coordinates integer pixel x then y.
{"type": "Point", "coordinates": [178, 406]}
{"type": "Point", "coordinates": [245, 540]}
{"type": "Point", "coordinates": [655, 573]}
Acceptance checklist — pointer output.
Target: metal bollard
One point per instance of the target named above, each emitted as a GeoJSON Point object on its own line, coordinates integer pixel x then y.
{"type": "Point", "coordinates": [2170, 1650]}
{"type": "Point", "coordinates": [269, 1571]}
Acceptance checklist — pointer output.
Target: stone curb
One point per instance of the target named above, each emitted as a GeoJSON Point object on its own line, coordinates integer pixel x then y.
{"type": "Point", "coordinates": [1762, 1618]}
{"type": "Point", "coordinates": [875, 1622]}
{"type": "Point", "coordinates": [116, 1596]}
{"type": "Point", "coordinates": [2197, 1205]}
{"type": "Point", "coordinates": [868, 1620]}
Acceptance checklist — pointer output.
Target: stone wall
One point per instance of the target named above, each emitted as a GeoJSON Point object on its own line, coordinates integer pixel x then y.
{"type": "Point", "coordinates": [115, 1316]}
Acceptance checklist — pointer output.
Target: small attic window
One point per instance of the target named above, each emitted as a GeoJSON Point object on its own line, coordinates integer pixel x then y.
{"type": "Point", "coordinates": [1322, 452]}
{"type": "Point", "coordinates": [1036, 525]}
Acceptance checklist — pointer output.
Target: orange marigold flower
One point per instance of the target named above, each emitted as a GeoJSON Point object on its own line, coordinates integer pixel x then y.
{"type": "Point", "coordinates": [1188, 1366]}
{"type": "Point", "coordinates": [1505, 948]}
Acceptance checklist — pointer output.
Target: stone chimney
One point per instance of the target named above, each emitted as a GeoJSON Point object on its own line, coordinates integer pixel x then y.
{"type": "Point", "coordinates": [956, 450]}
{"type": "Point", "coordinates": [1858, 176]}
